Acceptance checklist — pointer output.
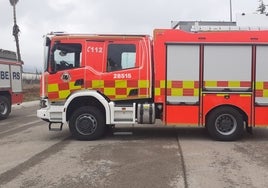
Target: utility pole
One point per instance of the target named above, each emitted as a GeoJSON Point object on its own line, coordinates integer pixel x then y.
{"type": "Point", "coordinates": [16, 29]}
{"type": "Point", "coordinates": [231, 11]}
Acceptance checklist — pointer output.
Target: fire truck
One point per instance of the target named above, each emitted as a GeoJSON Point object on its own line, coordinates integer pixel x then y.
{"type": "Point", "coordinates": [217, 79]}
{"type": "Point", "coordinates": [10, 82]}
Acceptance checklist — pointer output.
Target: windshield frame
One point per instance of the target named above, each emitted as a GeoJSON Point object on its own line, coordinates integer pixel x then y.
{"type": "Point", "coordinates": [46, 52]}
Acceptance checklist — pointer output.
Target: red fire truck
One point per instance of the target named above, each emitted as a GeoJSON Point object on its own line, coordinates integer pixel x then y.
{"type": "Point", "coordinates": [215, 79]}
{"type": "Point", "coordinates": [10, 82]}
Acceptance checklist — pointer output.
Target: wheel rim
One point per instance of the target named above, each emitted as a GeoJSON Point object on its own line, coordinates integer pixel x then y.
{"type": "Point", "coordinates": [3, 108]}
{"type": "Point", "coordinates": [226, 124]}
{"type": "Point", "coordinates": [86, 124]}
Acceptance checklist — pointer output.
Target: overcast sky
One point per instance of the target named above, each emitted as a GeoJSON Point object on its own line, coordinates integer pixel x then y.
{"type": "Point", "coordinates": [38, 17]}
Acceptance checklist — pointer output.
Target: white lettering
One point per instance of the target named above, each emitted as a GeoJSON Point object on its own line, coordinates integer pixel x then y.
{"type": "Point", "coordinates": [93, 49]}
{"type": "Point", "coordinates": [123, 76]}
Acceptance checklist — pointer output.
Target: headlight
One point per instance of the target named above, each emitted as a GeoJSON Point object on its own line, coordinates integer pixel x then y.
{"type": "Point", "coordinates": [43, 103]}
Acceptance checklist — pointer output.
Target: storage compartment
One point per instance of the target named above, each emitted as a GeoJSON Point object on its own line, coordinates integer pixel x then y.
{"type": "Point", "coordinates": [121, 114]}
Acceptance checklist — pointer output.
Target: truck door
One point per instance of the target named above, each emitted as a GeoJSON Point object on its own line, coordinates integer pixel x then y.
{"type": "Point", "coordinates": [95, 52]}
{"type": "Point", "coordinates": [66, 70]}
{"type": "Point", "coordinates": [182, 84]}
{"type": "Point", "coordinates": [261, 86]}
{"type": "Point", "coordinates": [127, 72]}
{"type": "Point", "coordinates": [261, 97]}
{"type": "Point", "coordinates": [227, 81]}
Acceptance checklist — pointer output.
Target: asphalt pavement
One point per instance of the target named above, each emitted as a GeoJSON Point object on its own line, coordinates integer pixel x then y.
{"type": "Point", "coordinates": [129, 156]}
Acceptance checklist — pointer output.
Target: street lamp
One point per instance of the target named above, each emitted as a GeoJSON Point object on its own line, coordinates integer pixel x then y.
{"type": "Point", "coordinates": [231, 12]}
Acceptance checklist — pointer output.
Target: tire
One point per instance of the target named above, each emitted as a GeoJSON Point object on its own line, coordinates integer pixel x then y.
{"type": "Point", "coordinates": [225, 124]}
{"type": "Point", "coordinates": [5, 107]}
{"type": "Point", "coordinates": [87, 123]}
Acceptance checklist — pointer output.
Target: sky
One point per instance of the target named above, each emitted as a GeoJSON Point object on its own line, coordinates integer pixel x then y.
{"type": "Point", "coordinates": [36, 18]}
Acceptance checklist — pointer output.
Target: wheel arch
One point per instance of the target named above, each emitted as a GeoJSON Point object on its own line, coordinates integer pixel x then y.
{"type": "Point", "coordinates": [87, 98]}
{"type": "Point", "coordinates": [242, 112]}
{"type": "Point", "coordinates": [6, 94]}
{"type": "Point", "coordinates": [5, 104]}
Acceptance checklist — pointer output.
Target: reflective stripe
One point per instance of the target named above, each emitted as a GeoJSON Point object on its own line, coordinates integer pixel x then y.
{"type": "Point", "coordinates": [143, 83]}
{"type": "Point", "coordinates": [265, 93]}
{"type": "Point", "coordinates": [262, 89]}
{"type": "Point", "coordinates": [228, 84]}
{"type": "Point", "coordinates": [262, 93]}
{"type": "Point", "coordinates": [109, 91]}
{"type": "Point", "coordinates": [234, 84]}
{"type": "Point", "coordinates": [73, 87]}
{"type": "Point", "coordinates": [64, 93]}
{"type": "Point", "coordinates": [97, 84]}
{"type": "Point", "coordinates": [120, 84]}
{"type": "Point", "coordinates": [114, 89]}
{"type": "Point", "coordinates": [210, 84]}
{"type": "Point", "coordinates": [188, 84]}
{"type": "Point", "coordinates": [177, 88]}
{"type": "Point", "coordinates": [262, 85]}
{"type": "Point", "coordinates": [259, 85]}
{"type": "Point", "coordinates": [52, 87]}
{"type": "Point", "coordinates": [191, 88]}
{"type": "Point", "coordinates": [176, 92]}
{"type": "Point", "coordinates": [162, 84]}
{"type": "Point", "coordinates": [157, 91]}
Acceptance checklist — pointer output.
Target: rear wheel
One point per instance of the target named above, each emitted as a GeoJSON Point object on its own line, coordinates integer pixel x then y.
{"type": "Point", "coordinates": [5, 107]}
{"type": "Point", "coordinates": [225, 124]}
{"type": "Point", "coordinates": [87, 123]}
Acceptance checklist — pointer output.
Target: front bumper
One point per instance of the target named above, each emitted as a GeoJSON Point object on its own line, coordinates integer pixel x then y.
{"type": "Point", "coordinates": [52, 113]}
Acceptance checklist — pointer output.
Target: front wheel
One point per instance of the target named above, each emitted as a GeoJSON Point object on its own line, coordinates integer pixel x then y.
{"type": "Point", "coordinates": [87, 123]}
{"type": "Point", "coordinates": [5, 107]}
{"type": "Point", "coordinates": [225, 124]}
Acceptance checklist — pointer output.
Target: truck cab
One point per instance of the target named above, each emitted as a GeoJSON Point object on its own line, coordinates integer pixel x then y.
{"type": "Point", "coordinates": [104, 63]}
{"type": "Point", "coordinates": [104, 74]}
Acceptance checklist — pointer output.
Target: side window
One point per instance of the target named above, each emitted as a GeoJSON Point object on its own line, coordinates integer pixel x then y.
{"type": "Point", "coordinates": [67, 56]}
{"type": "Point", "coordinates": [121, 56]}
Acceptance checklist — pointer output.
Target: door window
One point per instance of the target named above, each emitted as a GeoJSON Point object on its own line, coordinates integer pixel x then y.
{"type": "Point", "coordinates": [121, 56]}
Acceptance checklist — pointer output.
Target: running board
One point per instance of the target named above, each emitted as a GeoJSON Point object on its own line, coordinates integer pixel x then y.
{"type": "Point", "coordinates": [55, 129]}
